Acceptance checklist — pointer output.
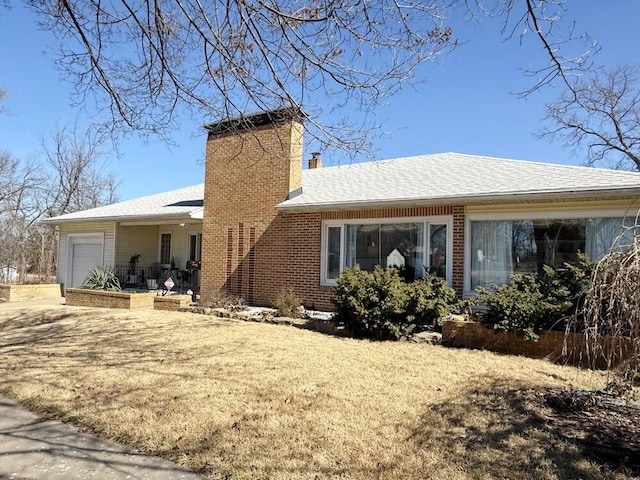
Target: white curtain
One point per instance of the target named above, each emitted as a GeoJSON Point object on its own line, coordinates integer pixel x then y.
{"type": "Point", "coordinates": [491, 257]}
{"type": "Point", "coordinates": [603, 235]}
{"type": "Point", "coordinates": [419, 259]}
{"type": "Point", "coordinates": [350, 243]}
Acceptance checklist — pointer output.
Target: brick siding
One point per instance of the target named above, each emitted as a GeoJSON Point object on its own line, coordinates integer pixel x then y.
{"type": "Point", "coordinates": [253, 251]}
{"type": "Point", "coordinates": [549, 346]}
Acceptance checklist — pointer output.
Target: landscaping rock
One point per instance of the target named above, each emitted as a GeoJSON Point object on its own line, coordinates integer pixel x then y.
{"type": "Point", "coordinates": [432, 338]}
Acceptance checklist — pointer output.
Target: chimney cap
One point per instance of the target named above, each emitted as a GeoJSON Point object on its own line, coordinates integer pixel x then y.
{"type": "Point", "coordinates": [250, 121]}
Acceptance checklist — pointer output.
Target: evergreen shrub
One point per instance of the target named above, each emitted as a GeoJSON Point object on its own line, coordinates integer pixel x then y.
{"type": "Point", "coordinates": [380, 305]}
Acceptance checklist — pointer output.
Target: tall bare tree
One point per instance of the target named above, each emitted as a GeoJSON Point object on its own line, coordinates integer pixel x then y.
{"type": "Point", "coordinates": [70, 176]}
{"type": "Point", "coordinates": [76, 180]}
{"type": "Point", "coordinates": [601, 113]}
{"type": "Point", "coordinates": [75, 162]}
{"type": "Point", "coordinates": [152, 58]}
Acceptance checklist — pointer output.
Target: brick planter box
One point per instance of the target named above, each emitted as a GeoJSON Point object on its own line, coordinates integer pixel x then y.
{"type": "Point", "coordinates": [550, 345]}
{"type": "Point", "coordinates": [21, 293]}
{"type": "Point", "coordinates": [171, 302]}
{"type": "Point", "coordinates": [80, 297]}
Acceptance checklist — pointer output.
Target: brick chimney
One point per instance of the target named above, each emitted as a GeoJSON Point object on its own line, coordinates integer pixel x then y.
{"type": "Point", "coordinates": [315, 161]}
{"type": "Point", "coordinates": [252, 164]}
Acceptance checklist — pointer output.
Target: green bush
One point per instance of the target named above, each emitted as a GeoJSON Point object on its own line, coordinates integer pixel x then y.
{"type": "Point", "coordinates": [531, 303]}
{"type": "Point", "coordinates": [429, 299]}
{"type": "Point", "coordinates": [381, 306]}
{"type": "Point", "coordinates": [102, 278]}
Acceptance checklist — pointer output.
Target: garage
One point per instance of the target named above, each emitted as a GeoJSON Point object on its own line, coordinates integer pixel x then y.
{"type": "Point", "coordinates": [85, 253]}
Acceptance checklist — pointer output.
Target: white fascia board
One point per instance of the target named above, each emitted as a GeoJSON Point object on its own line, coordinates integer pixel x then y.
{"type": "Point", "coordinates": [121, 218]}
{"type": "Point", "coordinates": [459, 200]}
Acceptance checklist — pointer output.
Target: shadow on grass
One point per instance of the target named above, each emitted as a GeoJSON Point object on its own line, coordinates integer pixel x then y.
{"type": "Point", "coordinates": [503, 432]}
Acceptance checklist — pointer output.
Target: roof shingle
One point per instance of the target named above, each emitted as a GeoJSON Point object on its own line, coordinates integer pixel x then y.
{"type": "Point", "coordinates": [448, 178]}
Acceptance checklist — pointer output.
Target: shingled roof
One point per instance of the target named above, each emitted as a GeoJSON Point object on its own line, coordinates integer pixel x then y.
{"type": "Point", "coordinates": [181, 203]}
{"type": "Point", "coordinates": [448, 178]}
{"type": "Point", "coordinates": [438, 179]}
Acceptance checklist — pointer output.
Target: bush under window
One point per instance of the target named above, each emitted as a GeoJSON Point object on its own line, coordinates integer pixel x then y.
{"type": "Point", "coordinates": [380, 305]}
{"type": "Point", "coordinates": [531, 303]}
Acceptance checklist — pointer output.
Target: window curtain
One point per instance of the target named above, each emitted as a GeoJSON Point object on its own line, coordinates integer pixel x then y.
{"type": "Point", "coordinates": [350, 243]}
{"type": "Point", "coordinates": [419, 260]}
{"type": "Point", "coordinates": [491, 257]}
{"type": "Point", "coordinates": [602, 234]}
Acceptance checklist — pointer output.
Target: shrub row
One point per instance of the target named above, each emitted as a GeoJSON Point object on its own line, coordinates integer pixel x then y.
{"type": "Point", "coordinates": [382, 305]}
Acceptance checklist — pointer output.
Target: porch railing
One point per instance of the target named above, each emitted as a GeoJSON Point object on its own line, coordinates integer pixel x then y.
{"type": "Point", "coordinates": [137, 278]}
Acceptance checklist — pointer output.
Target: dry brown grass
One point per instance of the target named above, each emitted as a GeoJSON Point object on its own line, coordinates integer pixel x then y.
{"type": "Point", "coordinates": [255, 401]}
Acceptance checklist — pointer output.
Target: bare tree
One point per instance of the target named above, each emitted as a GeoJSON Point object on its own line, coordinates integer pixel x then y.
{"type": "Point", "coordinates": [154, 59]}
{"type": "Point", "coordinates": [569, 51]}
{"type": "Point", "coordinates": [223, 59]}
{"type": "Point", "coordinates": [74, 161]}
{"type": "Point", "coordinates": [76, 180]}
{"type": "Point", "coordinates": [603, 114]}
{"type": "Point", "coordinates": [70, 177]}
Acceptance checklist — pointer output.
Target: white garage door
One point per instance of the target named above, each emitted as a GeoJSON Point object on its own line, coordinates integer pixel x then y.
{"type": "Point", "coordinates": [85, 256]}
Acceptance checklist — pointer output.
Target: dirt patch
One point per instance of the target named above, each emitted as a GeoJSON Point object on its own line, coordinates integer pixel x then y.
{"type": "Point", "coordinates": [606, 427]}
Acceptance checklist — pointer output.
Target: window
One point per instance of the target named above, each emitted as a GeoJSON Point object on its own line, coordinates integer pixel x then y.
{"type": "Point", "coordinates": [392, 242]}
{"type": "Point", "coordinates": [195, 247]}
{"type": "Point", "coordinates": [500, 248]}
{"type": "Point", "coordinates": [333, 252]}
{"type": "Point", "coordinates": [165, 248]}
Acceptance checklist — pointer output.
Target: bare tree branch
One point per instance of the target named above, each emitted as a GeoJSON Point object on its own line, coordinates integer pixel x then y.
{"type": "Point", "coordinates": [602, 114]}
{"type": "Point", "coordinates": [154, 59]}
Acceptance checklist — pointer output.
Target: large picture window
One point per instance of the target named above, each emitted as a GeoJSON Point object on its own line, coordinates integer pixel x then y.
{"type": "Point", "coordinates": [413, 246]}
{"type": "Point", "coordinates": [500, 248]}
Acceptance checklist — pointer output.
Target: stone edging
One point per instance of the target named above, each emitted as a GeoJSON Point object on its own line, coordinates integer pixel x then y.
{"type": "Point", "coordinates": [266, 315]}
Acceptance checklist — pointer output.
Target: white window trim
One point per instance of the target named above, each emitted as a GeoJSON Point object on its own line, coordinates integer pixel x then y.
{"type": "Point", "coordinates": [170, 233]}
{"type": "Point", "coordinates": [94, 238]}
{"type": "Point", "coordinates": [517, 215]}
{"type": "Point", "coordinates": [425, 221]}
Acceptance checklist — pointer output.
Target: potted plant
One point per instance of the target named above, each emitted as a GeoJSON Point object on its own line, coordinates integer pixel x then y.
{"type": "Point", "coordinates": [155, 271]}
{"type": "Point", "coordinates": [132, 278]}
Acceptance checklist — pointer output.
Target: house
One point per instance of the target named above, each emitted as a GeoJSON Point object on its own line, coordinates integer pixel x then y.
{"type": "Point", "coordinates": [268, 224]}
{"type": "Point", "coordinates": [159, 228]}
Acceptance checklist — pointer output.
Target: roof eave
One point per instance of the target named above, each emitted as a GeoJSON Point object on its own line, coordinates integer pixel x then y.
{"type": "Point", "coordinates": [121, 218]}
{"type": "Point", "coordinates": [461, 200]}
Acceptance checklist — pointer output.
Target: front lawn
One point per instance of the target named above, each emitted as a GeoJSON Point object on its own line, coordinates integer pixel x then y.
{"type": "Point", "coordinates": [242, 400]}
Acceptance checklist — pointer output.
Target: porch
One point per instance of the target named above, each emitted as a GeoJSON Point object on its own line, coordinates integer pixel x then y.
{"type": "Point", "coordinates": [153, 277]}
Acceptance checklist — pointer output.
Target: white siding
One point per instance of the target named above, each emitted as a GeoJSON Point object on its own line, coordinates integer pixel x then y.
{"type": "Point", "coordinates": [105, 228]}
{"type": "Point", "coordinates": [137, 240]}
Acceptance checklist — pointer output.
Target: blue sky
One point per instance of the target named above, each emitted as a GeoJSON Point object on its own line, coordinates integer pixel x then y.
{"type": "Point", "coordinates": [467, 104]}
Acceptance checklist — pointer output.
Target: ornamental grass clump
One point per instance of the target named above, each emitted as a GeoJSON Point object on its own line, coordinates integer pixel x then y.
{"type": "Point", "coordinates": [288, 304]}
{"type": "Point", "coordinates": [102, 278]}
{"type": "Point", "coordinates": [611, 319]}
